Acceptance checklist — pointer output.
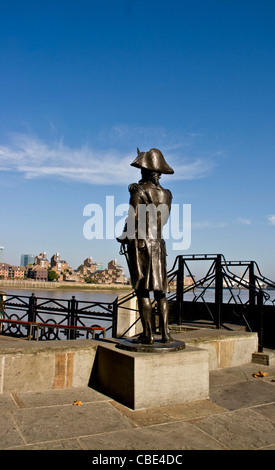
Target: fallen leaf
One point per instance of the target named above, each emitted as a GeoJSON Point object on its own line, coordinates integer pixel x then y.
{"type": "Point", "coordinates": [260, 374]}
{"type": "Point", "coordinates": [77, 402]}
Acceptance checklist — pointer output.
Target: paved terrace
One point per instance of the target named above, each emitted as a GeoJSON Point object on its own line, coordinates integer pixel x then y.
{"type": "Point", "coordinates": [239, 415]}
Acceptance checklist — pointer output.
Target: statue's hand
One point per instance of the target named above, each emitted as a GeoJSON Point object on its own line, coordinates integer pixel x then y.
{"type": "Point", "coordinates": [122, 239]}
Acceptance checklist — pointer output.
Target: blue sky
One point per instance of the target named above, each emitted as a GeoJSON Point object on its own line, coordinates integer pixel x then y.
{"type": "Point", "coordinates": [83, 83]}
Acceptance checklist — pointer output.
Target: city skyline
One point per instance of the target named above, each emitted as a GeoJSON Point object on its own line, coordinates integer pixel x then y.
{"type": "Point", "coordinates": [84, 83]}
{"type": "Point", "coordinates": [30, 258]}
{"type": "Point", "coordinates": [40, 268]}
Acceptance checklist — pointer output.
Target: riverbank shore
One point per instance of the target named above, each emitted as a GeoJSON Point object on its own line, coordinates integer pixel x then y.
{"type": "Point", "coordinates": [17, 284]}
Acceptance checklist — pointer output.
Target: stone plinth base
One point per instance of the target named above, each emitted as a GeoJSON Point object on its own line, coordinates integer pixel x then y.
{"type": "Point", "coordinates": [157, 347]}
{"type": "Point", "coordinates": [144, 380]}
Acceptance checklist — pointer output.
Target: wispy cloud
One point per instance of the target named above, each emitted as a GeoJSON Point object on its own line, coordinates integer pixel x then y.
{"type": "Point", "coordinates": [271, 219]}
{"type": "Point", "coordinates": [208, 224]}
{"type": "Point", "coordinates": [34, 158]}
{"type": "Point", "coordinates": [244, 221]}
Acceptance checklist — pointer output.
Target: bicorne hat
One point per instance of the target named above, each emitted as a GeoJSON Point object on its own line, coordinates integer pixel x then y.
{"type": "Point", "coordinates": [152, 160]}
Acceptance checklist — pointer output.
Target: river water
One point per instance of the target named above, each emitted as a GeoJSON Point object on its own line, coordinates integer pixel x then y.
{"type": "Point", "coordinates": [108, 296]}
{"type": "Point", "coordinates": [66, 294]}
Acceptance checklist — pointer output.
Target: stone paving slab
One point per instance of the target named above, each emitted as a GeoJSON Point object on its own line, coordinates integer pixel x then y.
{"type": "Point", "coordinates": [7, 403]}
{"type": "Point", "coordinates": [236, 387]}
{"type": "Point", "coordinates": [172, 436]}
{"type": "Point", "coordinates": [268, 411]}
{"type": "Point", "coordinates": [69, 445]}
{"type": "Point", "coordinates": [9, 435]}
{"type": "Point", "coordinates": [241, 373]}
{"type": "Point", "coordinates": [243, 395]}
{"type": "Point", "coordinates": [240, 430]}
{"type": "Point", "coordinates": [57, 397]}
{"type": "Point", "coordinates": [63, 422]}
{"type": "Point", "coordinates": [240, 414]}
{"type": "Point", "coordinates": [167, 414]}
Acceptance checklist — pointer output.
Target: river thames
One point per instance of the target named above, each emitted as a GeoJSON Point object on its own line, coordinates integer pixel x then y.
{"type": "Point", "coordinates": [110, 296]}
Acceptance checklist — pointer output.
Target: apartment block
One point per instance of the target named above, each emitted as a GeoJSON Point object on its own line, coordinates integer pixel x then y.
{"type": "Point", "coordinates": [58, 265]}
{"type": "Point", "coordinates": [42, 261]}
{"type": "Point", "coordinates": [38, 273]}
{"type": "Point", "coordinates": [8, 271]}
{"type": "Point", "coordinates": [114, 274]}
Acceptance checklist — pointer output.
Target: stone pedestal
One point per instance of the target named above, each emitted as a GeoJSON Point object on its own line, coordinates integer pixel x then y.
{"type": "Point", "coordinates": [145, 379]}
{"type": "Point", "coordinates": [128, 319]}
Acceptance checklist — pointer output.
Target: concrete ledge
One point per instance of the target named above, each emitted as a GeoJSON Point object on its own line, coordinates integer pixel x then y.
{"type": "Point", "coordinates": [225, 349]}
{"type": "Point", "coordinates": [30, 366]}
{"type": "Point", "coordinates": [145, 380]}
{"type": "Point", "coordinates": [45, 365]}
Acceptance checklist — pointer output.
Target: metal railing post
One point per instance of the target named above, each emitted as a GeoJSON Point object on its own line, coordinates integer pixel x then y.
{"type": "Point", "coordinates": [72, 317]}
{"type": "Point", "coordinates": [252, 285]}
{"type": "Point", "coordinates": [180, 286]}
{"type": "Point", "coordinates": [2, 311]}
{"type": "Point", "coordinates": [260, 318]}
{"type": "Point", "coordinates": [114, 326]}
{"type": "Point", "coordinates": [218, 291]}
{"type": "Point", "coordinates": [32, 313]}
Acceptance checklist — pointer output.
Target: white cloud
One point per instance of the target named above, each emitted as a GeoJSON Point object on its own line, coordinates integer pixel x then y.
{"type": "Point", "coordinates": [208, 224]}
{"type": "Point", "coordinates": [199, 168]}
{"type": "Point", "coordinates": [34, 158]}
{"type": "Point", "coordinates": [271, 219]}
{"type": "Point", "coordinates": [244, 221]}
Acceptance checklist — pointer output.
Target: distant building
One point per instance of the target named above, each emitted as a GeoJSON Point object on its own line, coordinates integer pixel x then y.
{"type": "Point", "coordinates": [89, 267]}
{"type": "Point", "coordinates": [37, 273]}
{"type": "Point", "coordinates": [58, 265]}
{"type": "Point", "coordinates": [114, 274]}
{"type": "Point", "coordinates": [27, 259]}
{"type": "Point", "coordinates": [88, 262]}
{"type": "Point", "coordinates": [100, 266]}
{"type": "Point", "coordinates": [72, 277]}
{"type": "Point", "coordinates": [4, 270]}
{"type": "Point", "coordinates": [8, 271]}
{"type": "Point", "coordinates": [41, 260]}
{"type": "Point", "coordinates": [115, 265]}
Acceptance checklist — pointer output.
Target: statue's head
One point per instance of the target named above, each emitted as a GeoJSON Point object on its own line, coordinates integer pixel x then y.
{"type": "Point", "coordinates": [153, 160]}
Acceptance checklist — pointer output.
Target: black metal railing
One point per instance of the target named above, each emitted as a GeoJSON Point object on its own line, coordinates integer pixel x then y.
{"type": "Point", "coordinates": [248, 300]}
{"type": "Point", "coordinates": [219, 295]}
{"type": "Point", "coordinates": [72, 312]}
{"type": "Point", "coordinates": [34, 328]}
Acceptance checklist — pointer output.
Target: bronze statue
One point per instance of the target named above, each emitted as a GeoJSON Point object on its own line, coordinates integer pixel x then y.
{"type": "Point", "coordinates": [144, 246]}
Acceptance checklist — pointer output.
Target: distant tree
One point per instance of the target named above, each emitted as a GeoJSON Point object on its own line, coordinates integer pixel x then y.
{"type": "Point", "coordinates": [90, 280]}
{"type": "Point", "coordinates": [52, 275]}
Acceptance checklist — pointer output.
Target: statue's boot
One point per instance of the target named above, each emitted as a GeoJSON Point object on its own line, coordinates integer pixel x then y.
{"type": "Point", "coordinates": [145, 311]}
{"type": "Point", "coordinates": [163, 309]}
{"type": "Point", "coordinates": [142, 339]}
